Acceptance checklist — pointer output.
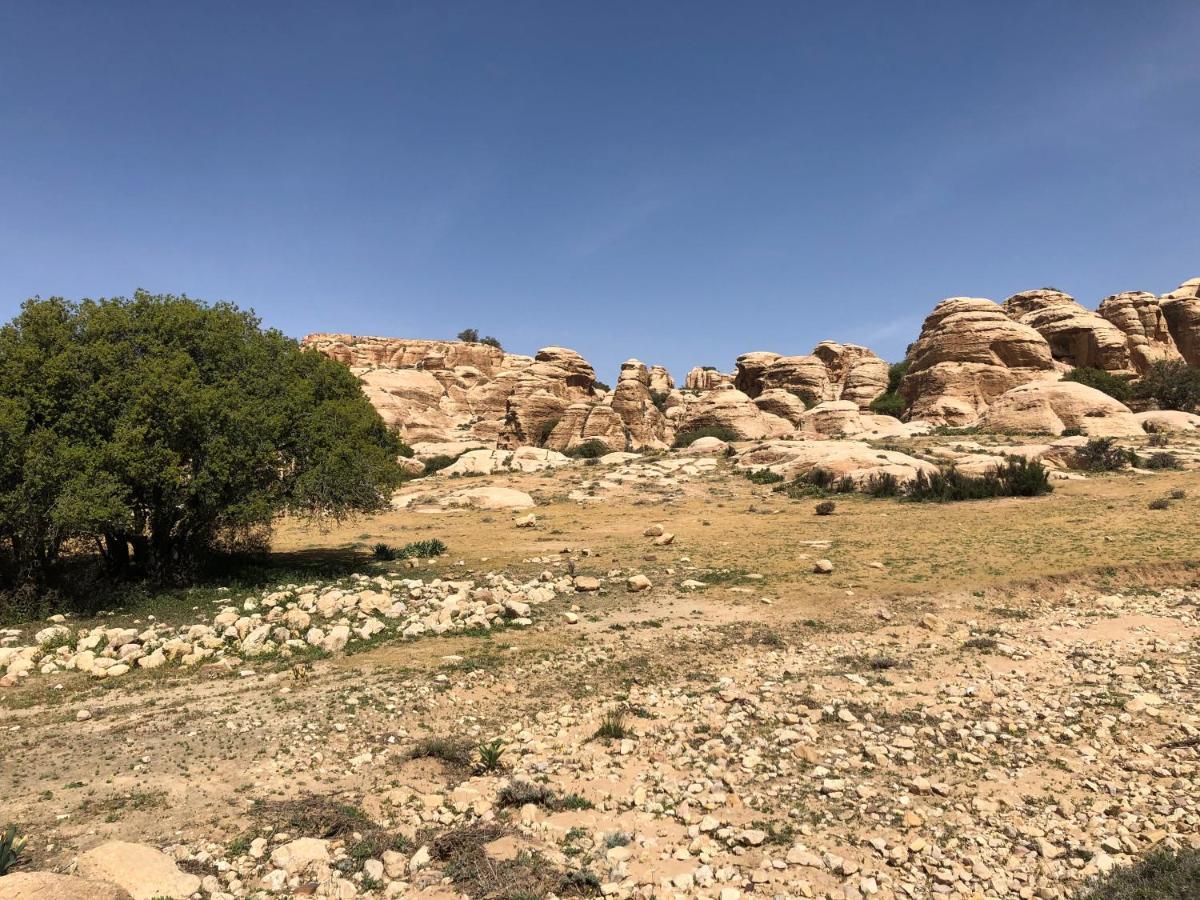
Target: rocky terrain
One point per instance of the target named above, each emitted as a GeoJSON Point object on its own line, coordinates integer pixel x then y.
{"type": "Point", "coordinates": [970, 354]}
{"type": "Point", "coordinates": [640, 676]}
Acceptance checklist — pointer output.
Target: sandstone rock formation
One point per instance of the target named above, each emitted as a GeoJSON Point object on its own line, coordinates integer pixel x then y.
{"type": "Point", "coordinates": [1140, 317]}
{"type": "Point", "coordinates": [1181, 308]}
{"type": "Point", "coordinates": [143, 871]}
{"type": "Point", "coordinates": [1052, 407]}
{"type": "Point", "coordinates": [52, 886]}
{"type": "Point", "coordinates": [729, 408]}
{"type": "Point", "coordinates": [968, 354]}
{"type": "Point", "coordinates": [832, 371]}
{"type": "Point", "coordinates": [1077, 337]}
{"type": "Point", "coordinates": [633, 402]}
{"type": "Point", "coordinates": [706, 378]}
{"type": "Point", "coordinates": [854, 458]}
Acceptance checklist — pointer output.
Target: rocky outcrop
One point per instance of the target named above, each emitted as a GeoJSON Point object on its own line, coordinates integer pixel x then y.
{"type": "Point", "coordinates": [633, 402]}
{"type": "Point", "coordinates": [661, 381]}
{"type": "Point", "coordinates": [855, 373]}
{"type": "Point", "coordinates": [968, 354]}
{"type": "Point", "coordinates": [706, 378]}
{"type": "Point", "coordinates": [1078, 337]}
{"type": "Point", "coordinates": [1181, 308]}
{"type": "Point", "coordinates": [1139, 316]}
{"type": "Point", "coordinates": [781, 403]}
{"type": "Point", "coordinates": [832, 371]}
{"type": "Point", "coordinates": [24, 885]}
{"type": "Point", "coordinates": [855, 459]}
{"type": "Point", "coordinates": [730, 408]}
{"type": "Point", "coordinates": [749, 371]}
{"type": "Point", "coordinates": [1058, 406]}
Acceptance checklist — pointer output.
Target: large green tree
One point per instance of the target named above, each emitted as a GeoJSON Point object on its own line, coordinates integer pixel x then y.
{"type": "Point", "coordinates": [151, 428]}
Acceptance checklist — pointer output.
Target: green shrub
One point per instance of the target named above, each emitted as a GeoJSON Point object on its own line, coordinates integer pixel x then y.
{"type": "Point", "coordinates": [659, 399]}
{"type": "Point", "coordinates": [762, 476]}
{"type": "Point", "coordinates": [439, 462]}
{"type": "Point", "coordinates": [1161, 875]}
{"type": "Point", "coordinates": [421, 549]}
{"type": "Point", "coordinates": [404, 450]}
{"type": "Point", "coordinates": [383, 551]}
{"type": "Point", "coordinates": [1103, 455]}
{"type": "Point", "coordinates": [592, 449]}
{"type": "Point", "coordinates": [10, 849]}
{"type": "Point", "coordinates": [721, 432]}
{"type": "Point", "coordinates": [882, 484]}
{"type": "Point", "coordinates": [491, 342]}
{"type": "Point", "coordinates": [1161, 460]}
{"type": "Point", "coordinates": [1172, 385]}
{"type": "Point", "coordinates": [469, 335]}
{"type": "Point", "coordinates": [825, 508]}
{"type": "Point", "coordinates": [1017, 477]}
{"type": "Point", "coordinates": [601, 386]}
{"type": "Point", "coordinates": [1115, 386]}
{"type": "Point", "coordinates": [890, 403]}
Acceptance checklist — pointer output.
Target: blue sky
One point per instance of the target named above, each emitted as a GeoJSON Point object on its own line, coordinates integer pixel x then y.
{"type": "Point", "coordinates": [680, 182]}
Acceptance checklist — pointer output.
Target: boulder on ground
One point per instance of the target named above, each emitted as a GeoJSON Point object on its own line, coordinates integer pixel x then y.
{"type": "Point", "coordinates": [706, 446]}
{"type": "Point", "coordinates": [839, 457]}
{"type": "Point", "coordinates": [1058, 406]}
{"type": "Point", "coordinates": [1168, 420]}
{"type": "Point", "coordinates": [145, 872]}
{"type": "Point", "coordinates": [52, 886]}
{"type": "Point", "coordinates": [491, 498]}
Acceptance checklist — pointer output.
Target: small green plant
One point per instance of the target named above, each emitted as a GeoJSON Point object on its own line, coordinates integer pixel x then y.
{"type": "Point", "coordinates": [1102, 454]}
{"type": "Point", "coordinates": [890, 402]}
{"type": "Point", "coordinates": [592, 449]}
{"type": "Point", "coordinates": [882, 484]}
{"type": "Point", "coordinates": [10, 849]}
{"type": "Point", "coordinates": [1161, 460]}
{"type": "Point", "coordinates": [1116, 387]}
{"type": "Point", "coordinates": [612, 726]}
{"type": "Point", "coordinates": [721, 432]}
{"type": "Point", "coordinates": [763, 476]}
{"type": "Point", "coordinates": [421, 549]}
{"type": "Point", "coordinates": [439, 462]}
{"type": "Point", "coordinates": [490, 754]}
{"type": "Point", "coordinates": [383, 551]}
{"type": "Point", "coordinates": [1161, 875]}
{"type": "Point", "coordinates": [1171, 385]}
{"type": "Point", "coordinates": [825, 508]}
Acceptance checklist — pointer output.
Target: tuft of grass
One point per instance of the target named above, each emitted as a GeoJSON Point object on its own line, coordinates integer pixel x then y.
{"type": "Point", "coordinates": [1161, 875]}
{"type": "Point", "coordinates": [612, 726]}
{"type": "Point", "coordinates": [980, 643]}
{"type": "Point", "coordinates": [10, 849]}
{"type": "Point", "coordinates": [453, 751]}
{"type": "Point", "coordinates": [825, 508]}
{"type": "Point", "coordinates": [490, 754]}
{"type": "Point", "coordinates": [1160, 503]}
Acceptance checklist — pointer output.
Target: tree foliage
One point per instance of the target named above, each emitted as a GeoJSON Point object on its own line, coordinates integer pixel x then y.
{"type": "Point", "coordinates": [152, 428]}
{"type": "Point", "coordinates": [1171, 385]}
{"type": "Point", "coordinates": [1116, 387]}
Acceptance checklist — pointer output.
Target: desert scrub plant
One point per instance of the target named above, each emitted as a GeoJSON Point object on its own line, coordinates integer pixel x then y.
{"type": "Point", "coordinates": [1161, 875]}
{"type": "Point", "coordinates": [1116, 387]}
{"type": "Point", "coordinates": [421, 549]}
{"type": "Point", "coordinates": [890, 402]}
{"type": "Point", "coordinates": [762, 476]}
{"type": "Point", "coordinates": [1172, 385]}
{"type": "Point", "coordinates": [882, 484]}
{"type": "Point", "coordinates": [721, 432]}
{"type": "Point", "coordinates": [825, 508]}
{"type": "Point", "coordinates": [1160, 503]}
{"type": "Point", "coordinates": [1161, 460]}
{"type": "Point", "coordinates": [1177, 494]}
{"type": "Point", "coordinates": [518, 793]}
{"type": "Point", "coordinates": [980, 643]}
{"type": "Point", "coordinates": [592, 449]}
{"type": "Point", "coordinates": [1102, 454]}
{"type": "Point", "coordinates": [450, 750]}
{"type": "Point", "coordinates": [490, 754]}
{"type": "Point", "coordinates": [10, 849]}
{"type": "Point", "coordinates": [1157, 439]}
{"type": "Point", "coordinates": [383, 551]}
{"type": "Point", "coordinates": [439, 462]}
{"type": "Point", "coordinates": [612, 726]}
{"type": "Point", "coordinates": [1016, 477]}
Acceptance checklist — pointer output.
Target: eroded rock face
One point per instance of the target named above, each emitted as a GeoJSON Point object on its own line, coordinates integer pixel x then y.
{"type": "Point", "coordinates": [449, 391]}
{"type": "Point", "coordinates": [1139, 316]}
{"type": "Point", "coordinates": [706, 378]}
{"type": "Point", "coordinates": [855, 459]}
{"type": "Point", "coordinates": [1077, 337]}
{"type": "Point", "coordinates": [832, 371]}
{"type": "Point", "coordinates": [1057, 406]}
{"type": "Point", "coordinates": [633, 403]}
{"type": "Point", "coordinates": [1181, 308]}
{"type": "Point", "coordinates": [968, 354]}
{"type": "Point", "coordinates": [730, 408]}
